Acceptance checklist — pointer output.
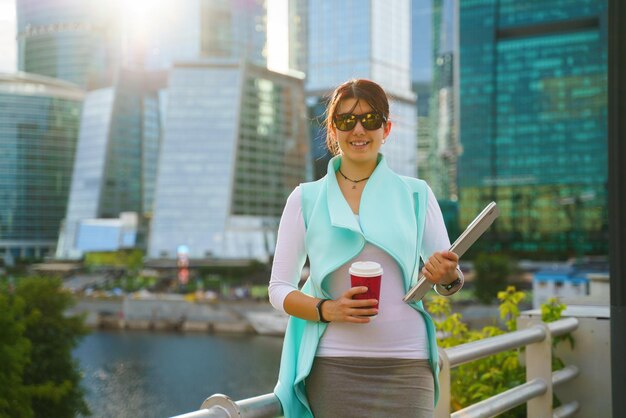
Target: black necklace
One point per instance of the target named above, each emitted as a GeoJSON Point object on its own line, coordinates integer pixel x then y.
{"type": "Point", "coordinates": [353, 181]}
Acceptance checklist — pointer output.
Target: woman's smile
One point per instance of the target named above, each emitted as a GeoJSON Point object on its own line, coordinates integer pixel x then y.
{"type": "Point", "coordinates": [359, 144]}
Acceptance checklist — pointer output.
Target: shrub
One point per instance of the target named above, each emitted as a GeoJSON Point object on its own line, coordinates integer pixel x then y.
{"type": "Point", "coordinates": [482, 379]}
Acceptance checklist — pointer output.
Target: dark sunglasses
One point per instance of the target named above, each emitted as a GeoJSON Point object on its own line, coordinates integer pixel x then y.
{"type": "Point", "coordinates": [370, 121]}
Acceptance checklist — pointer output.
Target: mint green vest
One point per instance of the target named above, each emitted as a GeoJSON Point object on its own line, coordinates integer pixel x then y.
{"type": "Point", "coordinates": [392, 214]}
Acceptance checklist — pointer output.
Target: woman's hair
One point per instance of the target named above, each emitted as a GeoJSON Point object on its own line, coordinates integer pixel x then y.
{"type": "Point", "coordinates": [360, 89]}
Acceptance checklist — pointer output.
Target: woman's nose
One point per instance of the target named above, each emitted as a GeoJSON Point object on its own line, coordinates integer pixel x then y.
{"type": "Point", "coordinates": [358, 128]}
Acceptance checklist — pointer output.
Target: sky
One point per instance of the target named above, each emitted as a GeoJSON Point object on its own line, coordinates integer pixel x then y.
{"type": "Point", "coordinates": [8, 46]}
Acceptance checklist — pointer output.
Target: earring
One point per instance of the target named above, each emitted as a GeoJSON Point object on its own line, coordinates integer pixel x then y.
{"type": "Point", "coordinates": [384, 140]}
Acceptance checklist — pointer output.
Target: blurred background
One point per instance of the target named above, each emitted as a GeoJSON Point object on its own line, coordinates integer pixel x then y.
{"type": "Point", "coordinates": [147, 148]}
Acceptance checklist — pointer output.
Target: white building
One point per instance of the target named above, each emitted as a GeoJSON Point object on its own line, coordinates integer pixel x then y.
{"type": "Point", "coordinates": [234, 147]}
{"type": "Point", "coordinates": [559, 283]}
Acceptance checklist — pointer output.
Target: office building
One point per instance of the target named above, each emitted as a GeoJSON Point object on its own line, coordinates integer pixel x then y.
{"type": "Point", "coordinates": [421, 41]}
{"type": "Point", "coordinates": [201, 29]}
{"type": "Point", "coordinates": [444, 135]}
{"type": "Point", "coordinates": [421, 79]}
{"type": "Point", "coordinates": [74, 40]}
{"type": "Point", "coordinates": [423, 91]}
{"type": "Point", "coordinates": [369, 40]}
{"type": "Point", "coordinates": [438, 146]}
{"type": "Point", "coordinates": [39, 119]}
{"type": "Point", "coordinates": [534, 123]}
{"type": "Point", "coordinates": [298, 28]}
{"type": "Point", "coordinates": [234, 147]}
{"type": "Point", "coordinates": [116, 157]}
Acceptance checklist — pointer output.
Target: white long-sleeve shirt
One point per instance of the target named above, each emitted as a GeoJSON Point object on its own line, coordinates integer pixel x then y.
{"type": "Point", "coordinates": [398, 331]}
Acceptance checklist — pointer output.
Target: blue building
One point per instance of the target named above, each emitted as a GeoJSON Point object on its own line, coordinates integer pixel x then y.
{"type": "Point", "coordinates": [39, 119]}
{"type": "Point", "coordinates": [533, 128]}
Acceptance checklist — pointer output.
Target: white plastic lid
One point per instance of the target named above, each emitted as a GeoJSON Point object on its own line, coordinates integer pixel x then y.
{"type": "Point", "coordinates": [366, 269]}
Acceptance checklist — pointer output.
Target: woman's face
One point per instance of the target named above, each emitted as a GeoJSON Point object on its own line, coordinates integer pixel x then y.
{"type": "Point", "coordinates": [359, 144]}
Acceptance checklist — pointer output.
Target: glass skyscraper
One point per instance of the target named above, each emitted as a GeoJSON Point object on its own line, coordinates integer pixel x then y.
{"type": "Point", "coordinates": [438, 147]}
{"type": "Point", "coordinates": [534, 122]}
{"type": "Point", "coordinates": [235, 146]}
{"type": "Point", "coordinates": [73, 40]}
{"type": "Point", "coordinates": [116, 157]}
{"type": "Point", "coordinates": [39, 119]}
{"type": "Point", "coordinates": [193, 29]}
{"type": "Point", "coordinates": [298, 28]}
{"type": "Point", "coordinates": [363, 39]}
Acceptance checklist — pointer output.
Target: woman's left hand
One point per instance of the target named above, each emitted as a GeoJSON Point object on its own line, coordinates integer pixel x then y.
{"type": "Point", "coordinates": [441, 267]}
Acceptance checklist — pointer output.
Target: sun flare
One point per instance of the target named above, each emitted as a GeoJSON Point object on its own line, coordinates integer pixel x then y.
{"type": "Point", "coordinates": [277, 36]}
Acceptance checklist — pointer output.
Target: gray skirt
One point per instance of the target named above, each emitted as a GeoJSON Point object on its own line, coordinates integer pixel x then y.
{"type": "Point", "coordinates": [351, 387]}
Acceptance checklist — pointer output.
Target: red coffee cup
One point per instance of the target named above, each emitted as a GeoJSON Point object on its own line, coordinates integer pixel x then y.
{"type": "Point", "coordinates": [368, 274]}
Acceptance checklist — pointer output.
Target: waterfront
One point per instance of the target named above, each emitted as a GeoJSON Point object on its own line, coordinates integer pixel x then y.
{"type": "Point", "coordinates": [151, 374]}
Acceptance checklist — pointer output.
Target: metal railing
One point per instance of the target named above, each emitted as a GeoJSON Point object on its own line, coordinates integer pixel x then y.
{"type": "Point", "coordinates": [537, 391]}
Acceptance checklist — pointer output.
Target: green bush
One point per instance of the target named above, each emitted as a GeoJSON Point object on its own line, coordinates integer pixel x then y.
{"type": "Point", "coordinates": [126, 259]}
{"type": "Point", "coordinates": [492, 272]}
{"type": "Point", "coordinates": [482, 379]}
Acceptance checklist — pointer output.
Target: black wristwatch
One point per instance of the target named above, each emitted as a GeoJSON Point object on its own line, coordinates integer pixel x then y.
{"type": "Point", "coordinates": [319, 311]}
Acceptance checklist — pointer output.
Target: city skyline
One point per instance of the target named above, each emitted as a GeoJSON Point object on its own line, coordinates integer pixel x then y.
{"type": "Point", "coordinates": [91, 46]}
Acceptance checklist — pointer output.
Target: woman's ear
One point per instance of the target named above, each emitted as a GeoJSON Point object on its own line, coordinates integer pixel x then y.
{"type": "Point", "coordinates": [387, 126]}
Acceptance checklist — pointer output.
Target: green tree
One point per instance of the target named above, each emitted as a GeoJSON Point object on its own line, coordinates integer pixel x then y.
{"type": "Point", "coordinates": [14, 352]}
{"type": "Point", "coordinates": [51, 375]}
{"type": "Point", "coordinates": [492, 272]}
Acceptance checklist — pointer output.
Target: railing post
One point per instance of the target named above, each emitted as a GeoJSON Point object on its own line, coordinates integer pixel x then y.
{"type": "Point", "coordinates": [442, 410]}
{"type": "Point", "coordinates": [539, 366]}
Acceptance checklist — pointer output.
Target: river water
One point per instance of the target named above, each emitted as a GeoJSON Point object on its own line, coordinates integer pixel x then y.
{"type": "Point", "coordinates": [148, 374]}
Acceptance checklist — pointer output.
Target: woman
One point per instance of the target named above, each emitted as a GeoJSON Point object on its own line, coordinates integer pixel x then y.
{"type": "Point", "coordinates": [337, 361]}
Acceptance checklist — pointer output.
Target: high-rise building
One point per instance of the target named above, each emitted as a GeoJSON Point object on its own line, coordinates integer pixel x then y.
{"type": "Point", "coordinates": [235, 146]}
{"type": "Point", "coordinates": [421, 41]}
{"type": "Point", "coordinates": [193, 29]}
{"type": "Point", "coordinates": [421, 77]}
{"type": "Point", "coordinates": [444, 135]}
{"type": "Point", "coordinates": [74, 40]}
{"type": "Point", "coordinates": [438, 143]}
{"type": "Point", "coordinates": [39, 119]}
{"type": "Point", "coordinates": [423, 90]}
{"type": "Point", "coordinates": [364, 39]}
{"type": "Point", "coordinates": [116, 157]}
{"type": "Point", "coordinates": [534, 122]}
{"type": "Point", "coordinates": [298, 28]}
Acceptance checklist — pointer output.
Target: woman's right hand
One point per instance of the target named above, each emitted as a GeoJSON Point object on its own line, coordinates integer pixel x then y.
{"type": "Point", "coordinates": [346, 309]}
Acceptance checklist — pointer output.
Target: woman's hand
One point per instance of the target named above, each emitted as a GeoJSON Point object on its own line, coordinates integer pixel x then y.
{"type": "Point", "coordinates": [346, 309]}
{"type": "Point", "coordinates": [441, 267]}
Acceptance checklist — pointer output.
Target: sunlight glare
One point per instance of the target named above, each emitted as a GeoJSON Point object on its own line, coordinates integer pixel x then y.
{"type": "Point", "coordinates": [277, 36]}
{"type": "Point", "coordinates": [143, 18]}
